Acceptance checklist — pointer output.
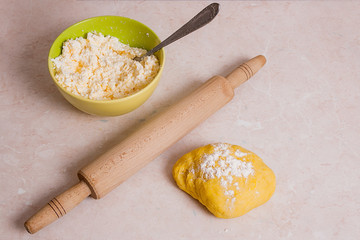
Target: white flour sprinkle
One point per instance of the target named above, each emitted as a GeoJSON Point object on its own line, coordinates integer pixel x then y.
{"type": "Point", "coordinates": [21, 191]}
{"type": "Point", "coordinates": [221, 164]}
{"type": "Point", "coordinates": [240, 154]}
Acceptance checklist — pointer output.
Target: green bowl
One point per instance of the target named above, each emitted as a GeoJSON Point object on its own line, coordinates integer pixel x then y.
{"type": "Point", "coordinates": [129, 32]}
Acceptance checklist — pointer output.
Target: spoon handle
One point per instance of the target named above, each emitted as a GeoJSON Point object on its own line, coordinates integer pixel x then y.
{"type": "Point", "coordinates": [200, 20]}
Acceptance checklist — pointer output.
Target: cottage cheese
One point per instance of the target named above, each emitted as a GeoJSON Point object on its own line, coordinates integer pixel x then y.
{"type": "Point", "coordinates": [101, 67]}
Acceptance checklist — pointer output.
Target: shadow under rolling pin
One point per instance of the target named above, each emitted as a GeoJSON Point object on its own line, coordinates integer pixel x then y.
{"type": "Point", "coordinates": [150, 140]}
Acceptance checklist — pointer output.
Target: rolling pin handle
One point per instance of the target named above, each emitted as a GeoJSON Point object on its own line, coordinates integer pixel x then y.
{"type": "Point", "coordinates": [58, 207]}
{"type": "Point", "coordinates": [245, 71]}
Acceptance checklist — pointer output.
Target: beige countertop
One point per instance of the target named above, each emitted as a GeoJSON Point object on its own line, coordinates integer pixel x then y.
{"type": "Point", "coordinates": [300, 114]}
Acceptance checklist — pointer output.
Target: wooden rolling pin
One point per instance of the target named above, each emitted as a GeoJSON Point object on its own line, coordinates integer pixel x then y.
{"type": "Point", "coordinates": [150, 140]}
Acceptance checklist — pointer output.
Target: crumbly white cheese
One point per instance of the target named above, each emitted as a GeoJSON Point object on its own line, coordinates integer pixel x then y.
{"type": "Point", "coordinates": [101, 67]}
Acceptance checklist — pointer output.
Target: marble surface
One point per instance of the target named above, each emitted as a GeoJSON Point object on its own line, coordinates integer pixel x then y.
{"type": "Point", "coordinates": [300, 113]}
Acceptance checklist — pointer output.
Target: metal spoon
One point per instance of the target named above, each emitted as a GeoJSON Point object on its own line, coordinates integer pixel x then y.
{"type": "Point", "coordinates": [200, 20]}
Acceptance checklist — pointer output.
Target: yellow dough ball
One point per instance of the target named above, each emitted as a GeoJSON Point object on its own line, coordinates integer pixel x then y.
{"type": "Point", "coordinates": [228, 179]}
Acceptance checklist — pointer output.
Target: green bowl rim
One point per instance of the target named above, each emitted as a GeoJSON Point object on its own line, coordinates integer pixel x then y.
{"type": "Point", "coordinates": [114, 100]}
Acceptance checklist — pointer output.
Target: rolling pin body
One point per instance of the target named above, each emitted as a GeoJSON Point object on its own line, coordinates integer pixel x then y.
{"type": "Point", "coordinates": [155, 136]}
{"type": "Point", "coordinates": [150, 140]}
